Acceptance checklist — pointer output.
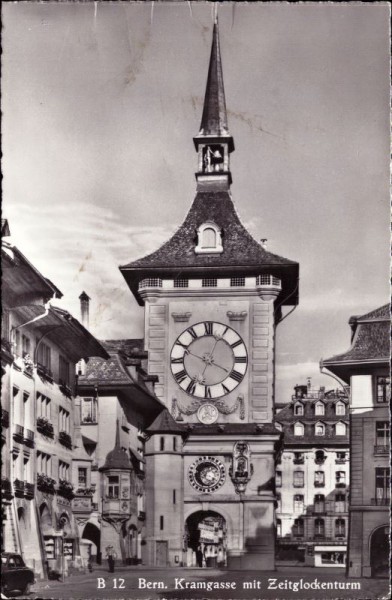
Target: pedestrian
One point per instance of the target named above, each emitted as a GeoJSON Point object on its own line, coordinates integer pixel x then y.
{"type": "Point", "coordinates": [111, 556]}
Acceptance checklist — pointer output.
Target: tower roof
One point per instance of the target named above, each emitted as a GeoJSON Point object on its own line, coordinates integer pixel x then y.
{"type": "Point", "coordinates": [164, 423]}
{"type": "Point", "coordinates": [117, 458]}
{"type": "Point", "coordinates": [241, 252]}
{"type": "Point", "coordinates": [214, 119]}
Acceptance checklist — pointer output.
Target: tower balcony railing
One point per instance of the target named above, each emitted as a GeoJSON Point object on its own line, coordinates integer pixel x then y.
{"type": "Point", "coordinates": [261, 281]}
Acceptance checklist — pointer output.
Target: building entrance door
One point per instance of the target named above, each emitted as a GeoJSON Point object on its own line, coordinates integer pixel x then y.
{"type": "Point", "coordinates": [206, 544]}
{"type": "Point", "coordinates": [379, 552]}
{"type": "Point", "coordinates": [161, 554]}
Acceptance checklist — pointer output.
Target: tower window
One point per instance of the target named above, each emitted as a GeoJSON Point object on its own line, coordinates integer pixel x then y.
{"type": "Point", "coordinates": [209, 239]}
{"type": "Point", "coordinates": [174, 497]}
{"type": "Point", "coordinates": [113, 487]}
{"type": "Point", "coordinates": [161, 523]}
{"type": "Point", "coordinates": [162, 443]}
{"type": "Point", "coordinates": [174, 444]}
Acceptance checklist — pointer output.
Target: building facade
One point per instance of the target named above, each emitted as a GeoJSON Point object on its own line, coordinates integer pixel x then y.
{"type": "Point", "coordinates": [40, 347]}
{"type": "Point", "coordinates": [366, 368]}
{"type": "Point", "coordinates": [116, 404]}
{"type": "Point", "coordinates": [312, 478]}
{"type": "Point", "coordinates": [213, 297]}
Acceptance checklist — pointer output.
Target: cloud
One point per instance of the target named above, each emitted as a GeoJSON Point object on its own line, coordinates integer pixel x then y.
{"type": "Point", "coordinates": [79, 247]}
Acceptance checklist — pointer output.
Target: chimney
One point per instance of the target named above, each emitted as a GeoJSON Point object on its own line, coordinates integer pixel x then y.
{"type": "Point", "coordinates": [85, 309]}
{"type": "Point", "coordinates": [309, 383]}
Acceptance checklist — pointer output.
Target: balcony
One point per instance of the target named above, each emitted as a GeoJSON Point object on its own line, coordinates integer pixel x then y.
{"type": "Point", "coordinates": [45, 483]}
{"type": "Point", "coordinates": [65, 440]}
{"type": "Point", "coordinates": [45, 427]}
{"type": "Point", "coordinates": [141, 515]}
{"type": "Point", "coordinates": [381, 450]}
{"type": "Point", "coordinates": [5, 418]}
{"type": "Point", "coordinates": [380, 501]}
{"type": "Point", "coordinates": [29, 490]}
{"type": "Point", "coordinates": [299, 461]}
{"type": "Point", "coordinates": [65, 489]}
{"type": "Point", "coordinates": [18, 434]}
{"type": "Point", "coordinates": [319, 484]}
{"type": "Point", "coordinates": [28, 439]}
{"type": "Point", "coordinates": [340, 461]}
{"type": "Point", "coordinates": [6, 490]}
{"type": "Point", "coordinates": [341, 485]}
{"type": "Point", "coordinates": [19, 488]}
{"type": "Point", "coordinates": [89, 420]}
{"type": "Point", "coordinates": [45, 373]}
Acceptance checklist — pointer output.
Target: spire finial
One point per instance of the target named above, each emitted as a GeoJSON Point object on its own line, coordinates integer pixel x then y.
{"type": "Point", "coordinates": [216, 13]}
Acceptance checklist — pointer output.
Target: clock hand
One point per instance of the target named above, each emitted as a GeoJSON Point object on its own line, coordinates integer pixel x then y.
{"type": "Point", "coordinates": [220, 367]}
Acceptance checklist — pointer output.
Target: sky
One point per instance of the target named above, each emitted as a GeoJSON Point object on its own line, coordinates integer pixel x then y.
{"type": "Point", "coordinates": [100, 103]}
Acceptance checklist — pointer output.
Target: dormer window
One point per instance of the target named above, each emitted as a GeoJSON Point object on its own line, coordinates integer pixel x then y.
{"type": "Point", "coordinates": [340, 408]}
{"type": "Point", "coordinates": [319, 408]}
{"type": "Point", "coordinates": [298, 409]}
{"type": "Point", "coordinates": [319, 429]}
{"type": "Point", "coordinates": [209, 239]}
{"type": "Point", "coordinates": [299, 429]}
{"type": "Point", "coordinates": [340, 428]}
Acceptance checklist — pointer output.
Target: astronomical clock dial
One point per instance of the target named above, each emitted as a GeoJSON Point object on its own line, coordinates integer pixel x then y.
{"type": "Point", "coordinates": [207, 474]}
{"type": "Point", "coordinates": [208, 360]}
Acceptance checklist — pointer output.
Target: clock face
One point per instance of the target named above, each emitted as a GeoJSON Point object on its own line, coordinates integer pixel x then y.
{"type": "Point", "coordinates": [209, 360]}
{"type": "Point", "coordinates": [206, 474]}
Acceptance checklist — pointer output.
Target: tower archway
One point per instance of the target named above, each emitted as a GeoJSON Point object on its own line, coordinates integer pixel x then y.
{"type": "Point", "coordinates": [206, 539]}
{"type": "Point", "coordinates": [379, 552]}
{"type": "Point", "coordinates": [92, 533]}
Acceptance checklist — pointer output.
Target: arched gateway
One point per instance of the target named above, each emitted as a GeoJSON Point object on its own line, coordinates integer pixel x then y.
{"type": "Point", "coordinates": [205, 539]}
{"type": "Point", "coordinates": [379, 552]}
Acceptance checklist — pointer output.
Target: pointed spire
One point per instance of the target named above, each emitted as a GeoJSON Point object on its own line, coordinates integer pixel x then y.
{"type": "Point", "coordinates": [117, 442]}
{"type": "Point", "coordinates": [214, 119]}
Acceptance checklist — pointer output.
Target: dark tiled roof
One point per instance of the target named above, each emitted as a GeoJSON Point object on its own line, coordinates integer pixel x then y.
{"type": "Point", "coordinates": [110, 372]}
{"type": "Point", "coordinates": [379, 313]}
{"type": "Point", "coordinates": [164, 423]}
{"type": "Point", "coordinates": [239, 247]}
{"type": "Point", "coordinates": [371, 339]}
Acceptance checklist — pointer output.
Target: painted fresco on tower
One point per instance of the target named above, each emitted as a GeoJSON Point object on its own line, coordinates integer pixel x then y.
{"type": "Point", "coordinates": [168, 427]}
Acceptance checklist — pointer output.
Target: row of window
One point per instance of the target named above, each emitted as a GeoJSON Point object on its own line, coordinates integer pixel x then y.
{"type": "Point", "coordinates": [318, 527]}
{"type": "Point", "coordinates": [319, 408]}
{"type": "Point", "coordinates": [319, 478]}
{"type": "Point", "coordinates": [44, 406]}
{"type": "Point", "coordinates": [319, 429]}
{"type": "Point", "coordinates": [299, 503]}
{"type": "Point", "coordinates": [44, 465]}
{"type": "Point", "coordinates": [24, 346]}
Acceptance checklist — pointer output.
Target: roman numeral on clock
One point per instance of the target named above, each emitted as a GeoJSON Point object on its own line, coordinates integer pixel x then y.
{"type": "Point", "coordinates": [236, 376]}
{"type": "Point", "coordinates": [191, 387]}
{"type": "Point", "coordinates": [177, 361]}
{"type": "Point", "coordinates": [180, 376]}
{"type": "Point", "coordinates": [208, 327]}
{"type": "Point", "coordinates": [240, 359]}
{"type": "Point", "coordinates": [182, 345]}
{"type": "Point", "coordinates": [192, 332]}
{"type": "Point", "coordinates": [235, 344]}
{"type": "Point", "coordinates": [207, 392]}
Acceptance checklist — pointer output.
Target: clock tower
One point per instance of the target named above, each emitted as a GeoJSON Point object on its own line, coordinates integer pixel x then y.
{"type": "Point", "coordinates": [213, 297]}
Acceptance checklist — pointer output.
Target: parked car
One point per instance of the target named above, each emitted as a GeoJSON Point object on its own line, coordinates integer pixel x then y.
{"type": "Point", "coordinates": [14, 574]}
